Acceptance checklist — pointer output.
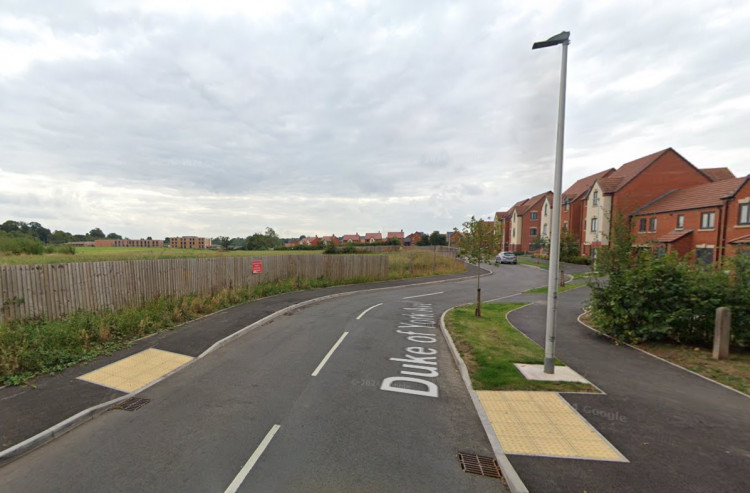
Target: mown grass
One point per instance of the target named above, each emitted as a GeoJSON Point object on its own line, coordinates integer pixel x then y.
{"type": "Point", "coordinates": [39, 346]}
{"type": "Point", "coordinates": [560, 289]}
{"type": "Point", "coordinates": [490, 345]}
{"type": "Point", "coordinates": [101, 254]}
{"type": "Point", "coordinates": [534, 262]}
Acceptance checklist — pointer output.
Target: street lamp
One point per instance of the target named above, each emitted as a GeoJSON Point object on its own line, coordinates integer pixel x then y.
{"type": "Point", "coordinates": [554, 254]}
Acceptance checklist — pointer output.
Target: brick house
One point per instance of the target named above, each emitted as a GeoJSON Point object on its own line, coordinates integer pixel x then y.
{"type": "Point", "coordinates": [309, 241]}
{"type": "Point", "coordinates": [631, 186]}
{"type": "Point", "coordinates": [351, 238]}
{"type": "Point", "coordinates": [525, 221]}
{"type": "Point", "coordinates": [129, 243]}
{"type": "Point", "coordinates": [413, 238]}
{"type": "Point", "coordinates": [712, 219]}
{"type": "Point", "coordinates": [398, 235]}
{"type": "Point", "coordinates": [332, 239]}
{"type": "Point", "coordinates": [373, 237]}
{"type": "Point", "coordinates": [573, 200]}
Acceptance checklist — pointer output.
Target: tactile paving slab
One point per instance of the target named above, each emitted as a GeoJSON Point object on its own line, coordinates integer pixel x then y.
{"type": "Point", "coordinates": [136, 371]}
{"type": "Point", "coordinates": [544, 424]}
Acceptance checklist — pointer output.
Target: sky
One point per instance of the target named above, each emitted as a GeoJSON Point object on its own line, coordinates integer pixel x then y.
{"type": "Point", "coordinates": [177, 117]}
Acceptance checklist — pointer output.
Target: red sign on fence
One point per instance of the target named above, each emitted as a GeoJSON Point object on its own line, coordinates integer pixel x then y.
{"type": "Point", "coordinates": [258, 267]}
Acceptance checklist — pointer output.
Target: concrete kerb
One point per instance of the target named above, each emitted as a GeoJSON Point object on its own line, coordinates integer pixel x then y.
{"type": "Point", "coordinates": [515, 484]}
{"type": "Point", "coordinates": [55, 431]}
{"type": "Point", "coordinates": [658, 357]}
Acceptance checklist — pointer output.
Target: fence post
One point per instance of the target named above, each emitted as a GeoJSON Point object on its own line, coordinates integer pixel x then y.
{"type": "Point", "coordinates": [722, 328]}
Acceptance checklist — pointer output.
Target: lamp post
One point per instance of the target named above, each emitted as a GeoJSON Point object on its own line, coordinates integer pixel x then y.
{"type": "Point", "coordinates": [554, 254]}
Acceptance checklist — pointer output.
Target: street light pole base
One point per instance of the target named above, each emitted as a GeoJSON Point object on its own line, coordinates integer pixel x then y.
{"type": "Point", "coordinates": [549, 366]}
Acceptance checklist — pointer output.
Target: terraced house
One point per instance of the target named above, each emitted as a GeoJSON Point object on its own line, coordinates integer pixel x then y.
{"type": "Point", "coordinates": [712, 219]}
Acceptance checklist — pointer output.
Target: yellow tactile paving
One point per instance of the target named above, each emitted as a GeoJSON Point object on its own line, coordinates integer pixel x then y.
{"type": "Point", "coordinates": [543, 423]}
{"type": "Point", "coordinates": [136, 371]}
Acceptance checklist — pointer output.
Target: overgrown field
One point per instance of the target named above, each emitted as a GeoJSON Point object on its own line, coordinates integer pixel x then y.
{"type": "Point", "coordinates": [101, 254]}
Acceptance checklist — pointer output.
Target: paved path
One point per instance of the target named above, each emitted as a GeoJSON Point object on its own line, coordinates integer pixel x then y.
{"type": "Point", "coordinates": [680, 432]}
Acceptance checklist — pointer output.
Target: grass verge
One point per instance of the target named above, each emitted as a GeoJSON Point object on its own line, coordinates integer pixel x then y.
{"type": "Point", "coordinates": [490, 345]}
{"type": "Point", "coordinates": [407, 264]}
{"type": "Point", "coordinates": [534, 262]}
{"type": "Point", "coordinates": [560, 289]}
{"type": "Point", "coordinates": [733, 372]}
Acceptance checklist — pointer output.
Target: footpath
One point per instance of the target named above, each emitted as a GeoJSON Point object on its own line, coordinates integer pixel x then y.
{"type": "Point", "coordinates": [680, 432]}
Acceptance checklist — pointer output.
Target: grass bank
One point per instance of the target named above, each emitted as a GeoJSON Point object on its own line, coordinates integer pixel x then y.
{"type": "Point", "coordinates": [490, 345]}
{"type": "Point", "coordinates": [34, 347]}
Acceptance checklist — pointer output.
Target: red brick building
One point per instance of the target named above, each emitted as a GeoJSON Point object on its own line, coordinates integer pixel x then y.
{"type": "Point", "coordinates": [524, 222]}
{"type": "Point", "coordinates": [189, 242]}
{"type": "Point", "coordinates": [398, 235]}
{"type": "Point", "coordinates": [630, 187]}
{"type": "Point", "coordinates": [712, 219]}
{"type": "Point", "coordinates": [573, 203]}
{"type": "Point", "coordinates": [129, 243]}
{"type": "Point", "coordinates": [351, 238]}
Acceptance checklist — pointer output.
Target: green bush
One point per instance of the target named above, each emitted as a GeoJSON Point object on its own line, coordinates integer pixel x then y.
{"type": "Point", "coordinates": [21, 245]}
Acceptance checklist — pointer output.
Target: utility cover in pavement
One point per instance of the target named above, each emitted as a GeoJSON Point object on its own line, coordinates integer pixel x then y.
{"type": "Point", "coordinates": [132, 404]}
{"type": "Point", "coordinates": [478, 464]}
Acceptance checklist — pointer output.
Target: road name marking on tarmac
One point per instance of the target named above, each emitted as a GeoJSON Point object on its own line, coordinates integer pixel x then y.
{"type": "Point", "coordinates": [423, 359]}
{"type": "Point", "coordinates": [325, 359]}
{"type": "Point", "coordinates": [237, 482]}
{"type": "Point", "coordinates": [421, 295]}
{"type": "Point", "coordinates": [364, 312]}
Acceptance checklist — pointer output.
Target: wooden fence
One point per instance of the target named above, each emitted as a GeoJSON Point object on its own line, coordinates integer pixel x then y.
{"type": "Point", "coordinates": [52, 291]}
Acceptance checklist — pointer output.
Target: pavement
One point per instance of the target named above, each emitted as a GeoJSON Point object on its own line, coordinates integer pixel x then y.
{"type": "Point", "coordinates": [672, 430]}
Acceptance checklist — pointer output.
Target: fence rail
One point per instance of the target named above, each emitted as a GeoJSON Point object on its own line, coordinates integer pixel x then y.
{"type": "Point", "coordinates": [55, 290]}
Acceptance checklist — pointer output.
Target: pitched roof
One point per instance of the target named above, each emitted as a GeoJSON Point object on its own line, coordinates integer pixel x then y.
{"type": "Point", "coordinates": [718, 174]}
{"type": "Point", "coordinates": [373, 236]}
{"type": "Point", "coordinates": [673, 236]}
{"type": "Point", "coordinates": [742, 240]}
{"type": "Point", "coordinates": [356, 238]}
{"type": "Point", "coordinates": [529, 203]}
{"type": "Point", "coordinates": [396, 234]}
{"type": "Point", "coordinates": [582, 186]}
{"type": "Point", "coordinates": [625, 173]}
{"type": "Point", "coordinates": [708, 195]}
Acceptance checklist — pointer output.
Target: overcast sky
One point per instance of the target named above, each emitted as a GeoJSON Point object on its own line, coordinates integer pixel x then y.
{"type": "Point", "coordinates": [174, 117]}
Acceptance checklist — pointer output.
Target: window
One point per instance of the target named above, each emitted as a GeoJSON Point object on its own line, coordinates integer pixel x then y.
{"type": "Point", "coordinates": [584, 225]}
{"type": "Point", "coordinates": [594, 224]}
{"type": "Point", "coordinates": [705, 255]}
{"type": "Point", "coordinates": [532, 231]}
{"type": "Point", "coordinates": [544, 230]}
{"type": "Point", "coordinates": [596, 198]}
{"type": "Point", "coordinates": [567, 204]}
{"type": "Point", "coordinates": [534, 215]}
{"type": "Point", "coordinates": [565, 225]}
{"type": "Point", "coordinates": [744, 213]}
{"type": "Point", "coordinates": [545, 210]}
{"type": "Point", "coordinates": [642, 225]}
{"type": "Point", "coordinates": [680, 221]}
{"type": "Point", "coordinates": [652, 224]}
{"type": "Point", "coordinates": [707, 220]}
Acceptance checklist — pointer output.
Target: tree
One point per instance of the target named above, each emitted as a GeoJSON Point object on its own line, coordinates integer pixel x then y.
{"type": "Point", "coordinates": [478, 242]}
{"type": "Point", "coordinates": [539, 243]}
{"type": "Point", "coordinates": [60, 237]}
{"type": "Point", "coordinates": [437, 239]}
{"type": "Point", "coordinates": [569, 245]}
{"type": "Point", "coordinates": [114, 236]}
{"type": "Point", "coordinates": [267, 241]}
{"type": "Point", "coordinates": [224, 242]}
{"type": "Point", "coordinates": [424, 240]}
{"type": "Point", "coordinates": [96, 234]}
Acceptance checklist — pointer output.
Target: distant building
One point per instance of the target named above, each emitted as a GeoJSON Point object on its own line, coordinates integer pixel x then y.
{"type": "Point", "coordinates": [129, 243]}
{"type": "Point", "coordinates": [189, 242]}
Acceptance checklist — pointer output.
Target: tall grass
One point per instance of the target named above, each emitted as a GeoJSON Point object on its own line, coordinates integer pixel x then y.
{"type": "Point", "coordinates": [422, 263]}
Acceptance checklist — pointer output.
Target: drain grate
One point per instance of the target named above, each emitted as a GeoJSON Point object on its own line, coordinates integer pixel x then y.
{"type": "Point", "coordinates": [478, 464]}
{"type": "Point", "coordinates": [132, 404]}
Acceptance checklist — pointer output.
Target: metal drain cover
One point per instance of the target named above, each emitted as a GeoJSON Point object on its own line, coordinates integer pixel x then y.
{"type": "Point", "coordinates": [132, 404]}
{"type": "Point", "coordinates": [478, 464]}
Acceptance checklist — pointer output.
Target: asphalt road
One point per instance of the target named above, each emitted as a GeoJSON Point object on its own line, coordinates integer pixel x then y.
{"type": "Point", "coordinates": [331, 397]}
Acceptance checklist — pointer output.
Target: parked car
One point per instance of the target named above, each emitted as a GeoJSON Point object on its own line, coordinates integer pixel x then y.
{"type": "Point", "coordinates": [506, 258]}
